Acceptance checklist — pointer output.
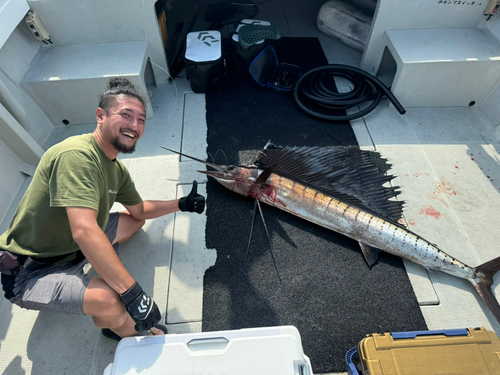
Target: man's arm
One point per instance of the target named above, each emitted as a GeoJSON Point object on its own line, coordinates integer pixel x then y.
{"type": "Point", "coordinates": [97, 249]}
{"type": "Point", "coordinates": [153, 209]}
{"type": "Point", "coordinates": [193, 202]}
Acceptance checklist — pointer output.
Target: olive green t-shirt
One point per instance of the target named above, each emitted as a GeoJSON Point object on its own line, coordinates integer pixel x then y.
{"type": "Point", "coordinates": [73, 173]}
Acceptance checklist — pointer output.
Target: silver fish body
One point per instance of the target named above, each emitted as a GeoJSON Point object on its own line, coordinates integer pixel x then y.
{"type": "Point", "coordinates": [360, 225]}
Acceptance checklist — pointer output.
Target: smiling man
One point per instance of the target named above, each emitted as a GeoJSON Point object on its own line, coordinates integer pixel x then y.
{"type": "Point", "coordinates": [63, 222]}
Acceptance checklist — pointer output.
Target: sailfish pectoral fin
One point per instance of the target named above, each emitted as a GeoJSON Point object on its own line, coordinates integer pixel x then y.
{"type": "Point", "coordinates": [370, 253]}
{"type": "Point", "coordinates": [269, 239]}
{"type": "Point", "coordinates": [251, 229]}
{"type": "Point", "coordinates": [257, 206]}
{"type": "Point", "coordinates": [264, 176]}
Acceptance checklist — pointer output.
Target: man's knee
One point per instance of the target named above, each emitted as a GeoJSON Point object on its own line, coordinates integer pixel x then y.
{"type": "Point", "coordinates": [101, 301]}
{"type": "Point", "coordinates": [127, 226]}
{"type": "Point", "coordinates": [140, 224]}
{"type": "Point", "coordinates": [135, 225]}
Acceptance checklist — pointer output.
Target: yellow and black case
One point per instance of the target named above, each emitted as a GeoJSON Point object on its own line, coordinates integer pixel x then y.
{"type": "Point", "coordinates": [473, 351]}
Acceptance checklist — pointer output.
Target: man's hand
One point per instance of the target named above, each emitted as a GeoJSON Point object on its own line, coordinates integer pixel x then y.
{"type": "Point", "coordinates": [141, 308]}
{"type": "Point", "coordinates": [194, 202]}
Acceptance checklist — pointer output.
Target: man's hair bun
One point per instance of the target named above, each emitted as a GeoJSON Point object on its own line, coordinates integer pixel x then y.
{"type": "Point", "coordinates": [120, 86]}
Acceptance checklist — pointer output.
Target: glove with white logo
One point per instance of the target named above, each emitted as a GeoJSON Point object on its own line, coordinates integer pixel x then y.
{"type": "Point", "coordinates": [141, 308]}
{"type": "Point", "coordinates": [194, 202]}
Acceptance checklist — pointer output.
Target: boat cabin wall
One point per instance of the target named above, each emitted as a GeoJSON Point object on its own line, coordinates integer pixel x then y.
{"type": "Point", "coordinates": [491, 105]}
{"type": "Point", "coordinates": [15, 59]}
{"type": "Point", "coordinates": [25, 127]}
{"type": "Point", "coordinates": [72, 22]}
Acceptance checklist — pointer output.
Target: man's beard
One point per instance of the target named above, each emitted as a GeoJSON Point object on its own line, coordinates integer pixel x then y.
{"type": "Point", "coordinates": [124, 149]}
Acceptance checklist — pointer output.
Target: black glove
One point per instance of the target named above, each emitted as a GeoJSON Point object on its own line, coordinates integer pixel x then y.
{"type": "Point", "coordinates": [141, 308]}
{"type": "Point", "coordinates": [194, 202]}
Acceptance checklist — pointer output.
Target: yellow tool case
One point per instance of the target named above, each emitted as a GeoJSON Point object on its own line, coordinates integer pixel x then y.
{"type": "Point", "coordinates": [473, 351]}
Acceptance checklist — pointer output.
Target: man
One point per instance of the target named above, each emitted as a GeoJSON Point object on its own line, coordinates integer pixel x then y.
{"type": "Point", "coordinates": [63, 221]}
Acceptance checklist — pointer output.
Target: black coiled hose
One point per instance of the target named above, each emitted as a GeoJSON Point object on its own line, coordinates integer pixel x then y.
{"type": "Point", "coordinates": [315, 86]}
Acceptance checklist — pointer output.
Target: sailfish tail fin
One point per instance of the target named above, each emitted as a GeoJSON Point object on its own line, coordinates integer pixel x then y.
{"type": "Point", "coordinates": [483, 285]}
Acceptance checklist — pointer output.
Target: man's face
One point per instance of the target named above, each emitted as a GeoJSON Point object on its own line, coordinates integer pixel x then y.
{"type": "Point", "coordinates": [124, 123]}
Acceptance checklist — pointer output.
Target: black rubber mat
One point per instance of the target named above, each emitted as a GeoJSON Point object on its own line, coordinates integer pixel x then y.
{"type": "Point", "coordinates": [318, 280]}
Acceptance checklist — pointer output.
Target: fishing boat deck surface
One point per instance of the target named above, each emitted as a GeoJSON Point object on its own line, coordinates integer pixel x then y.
{"type": "Point", "coordinates": [447, 163]}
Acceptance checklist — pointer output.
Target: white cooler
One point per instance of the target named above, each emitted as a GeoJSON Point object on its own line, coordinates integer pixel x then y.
{"type": "Point", "coordinates": [270, 350]}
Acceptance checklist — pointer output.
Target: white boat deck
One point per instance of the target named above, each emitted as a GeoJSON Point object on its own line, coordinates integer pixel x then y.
{"type": "Point", "coordinates": [447, 162]}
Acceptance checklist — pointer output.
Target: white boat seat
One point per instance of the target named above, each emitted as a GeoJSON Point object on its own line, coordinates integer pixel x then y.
{"type": "Point", "coordinates": [439, 67]}
{"type": "Point", "coordinates": [65, 81]}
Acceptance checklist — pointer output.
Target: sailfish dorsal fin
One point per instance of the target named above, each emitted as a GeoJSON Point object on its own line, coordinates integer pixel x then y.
{"type": "Point", "coordinates": [346, 173]}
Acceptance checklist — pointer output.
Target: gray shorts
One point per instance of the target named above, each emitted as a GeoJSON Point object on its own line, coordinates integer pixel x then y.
{"type": "Point", "coordinates": [60, 287]}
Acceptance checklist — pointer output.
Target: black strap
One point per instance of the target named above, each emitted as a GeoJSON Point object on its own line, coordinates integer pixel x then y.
{"type": "Point", "coordinates": [8, 282]}
{"type": "Point", "coordinates": [57, 259]}
{"type": "Point", "coordinates": [132, 293]}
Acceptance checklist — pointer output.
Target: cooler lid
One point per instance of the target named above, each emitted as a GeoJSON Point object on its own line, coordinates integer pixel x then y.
{"type": "Point", "coordinates": [270, 350]}
{"type": "Point", "coordinates": [203, 46]}
{"type": "Point", "coordinates": [245, 22]}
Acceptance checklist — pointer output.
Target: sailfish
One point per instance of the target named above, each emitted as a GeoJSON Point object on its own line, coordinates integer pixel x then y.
{"type": "Point", "coordinates": [344, 189]}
